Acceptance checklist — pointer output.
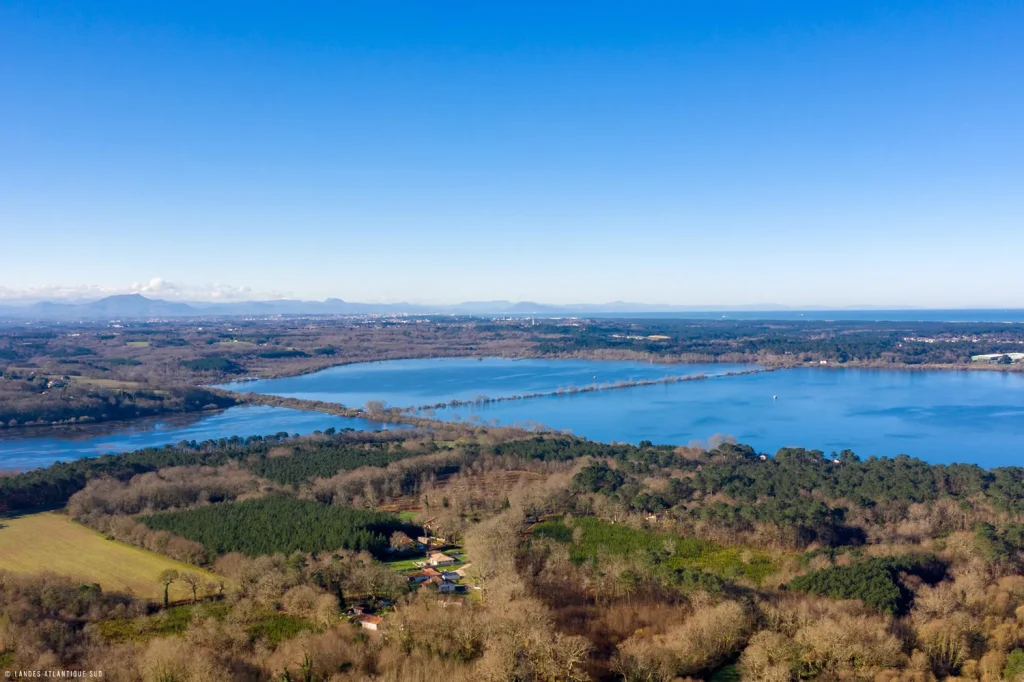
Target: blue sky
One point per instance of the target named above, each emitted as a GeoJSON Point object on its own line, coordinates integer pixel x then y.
{"type": "Point", "coordinates": [705, 153]}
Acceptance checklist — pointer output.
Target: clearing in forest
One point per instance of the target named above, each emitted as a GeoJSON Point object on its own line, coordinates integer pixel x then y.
{"type": "Point", "coordinates": [51, 542]}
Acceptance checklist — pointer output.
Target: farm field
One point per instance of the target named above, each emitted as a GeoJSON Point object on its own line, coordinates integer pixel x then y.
{"type": "Point", "coordinates": [51, 542]}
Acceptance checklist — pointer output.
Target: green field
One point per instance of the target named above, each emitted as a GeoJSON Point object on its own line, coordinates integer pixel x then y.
{"type": "Point", "coordinates": [109, 383]}
{"type": "Point", "coordinates": [51, 542]}
{"type": "Point", "coordinates": [406, 565]}
{"type": "Point", "coordinates": [591, 538]}
{"type": "Point", "coordinates": [137, 344]}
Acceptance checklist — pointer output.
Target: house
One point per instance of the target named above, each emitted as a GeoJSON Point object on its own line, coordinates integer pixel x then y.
{"type": "Point", "coordinates": [430, 541]}
{"type": "Point", "coordinates": [446, 587]}
{"type": "Point", "coordinates": [440, 559]}
{"type": "Point", "coordinates": [423, 576]}
{"type": "Point", "coordinates": [450, 575]}
{"type": "Point", "coordinates": [370, 622]}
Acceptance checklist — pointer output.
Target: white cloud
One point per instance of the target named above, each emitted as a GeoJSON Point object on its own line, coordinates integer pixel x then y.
{"type": "Point", "coordinates": [157, 287]}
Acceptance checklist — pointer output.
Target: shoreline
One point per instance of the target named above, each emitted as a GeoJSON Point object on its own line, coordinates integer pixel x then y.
{"type": "Point", "coordinates": [649, 358]}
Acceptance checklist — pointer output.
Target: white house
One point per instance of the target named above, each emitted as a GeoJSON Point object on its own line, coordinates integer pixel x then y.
{"type": "Point", "coordinates": [440, 559]}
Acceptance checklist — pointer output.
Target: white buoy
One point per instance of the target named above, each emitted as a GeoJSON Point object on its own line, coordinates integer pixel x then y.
{"type": "Point", "coordinates": [775, 397]}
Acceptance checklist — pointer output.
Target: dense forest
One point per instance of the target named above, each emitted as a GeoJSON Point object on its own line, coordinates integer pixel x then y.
{"type": "Point", "coordinates": [280, 525]}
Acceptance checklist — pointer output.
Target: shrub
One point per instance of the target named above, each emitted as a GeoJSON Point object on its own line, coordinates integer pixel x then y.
{"type": "Point", "coordinates": [1014, 665]}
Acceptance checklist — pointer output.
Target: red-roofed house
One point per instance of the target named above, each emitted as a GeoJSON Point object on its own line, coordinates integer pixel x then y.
{"type": "Point", "coordinates": [370, 622]}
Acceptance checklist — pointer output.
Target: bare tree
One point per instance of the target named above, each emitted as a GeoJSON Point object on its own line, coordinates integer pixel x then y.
{"type": "Point", "coordinates": [400, 541]}
{"type": "Point", "coordinates": [193, 580]}
{"type": "Point", "coordinates": [166, 578]}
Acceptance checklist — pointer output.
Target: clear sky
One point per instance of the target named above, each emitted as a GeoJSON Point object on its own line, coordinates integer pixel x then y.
{"type": "Point", "coordinates": [722, 153]}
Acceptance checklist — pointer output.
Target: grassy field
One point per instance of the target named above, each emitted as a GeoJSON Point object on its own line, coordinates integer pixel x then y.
{"type": "Point", "coordinates": [51, 542]}
{"type": "Point", "coordinates": [406, 565]}
{"type": "Point", "coordinates": [138, 344]}
{"type": "Point", "coordinates": [108, 383]}
{"type": "Point", "coordinates": [591, 539]}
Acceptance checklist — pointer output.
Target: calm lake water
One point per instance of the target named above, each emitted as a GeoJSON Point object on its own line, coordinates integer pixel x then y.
{"type": "Point", "coordinates": [19, 450]}
{"type": "Point", "coordinates": [412, 383]}
{"type": "Point", "coordinates": [938, 416]}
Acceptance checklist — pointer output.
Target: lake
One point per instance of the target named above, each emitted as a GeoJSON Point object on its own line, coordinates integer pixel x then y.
{"type": "Point", "coordinates": [31, 448]}
{"type": "Point", "coordinates": [413, 383]}
{"type": "Point", "coordinates": [939, 416]}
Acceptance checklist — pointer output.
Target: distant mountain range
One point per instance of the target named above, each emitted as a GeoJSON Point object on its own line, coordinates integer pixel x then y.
{"type": "Point", "coordinates": [136, 306]}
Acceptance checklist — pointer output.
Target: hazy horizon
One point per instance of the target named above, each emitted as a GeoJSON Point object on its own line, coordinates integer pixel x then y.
{"type": "Point", "coordinates": [725, 154]}
{"type": "Point", "coordinates": [175, 294]}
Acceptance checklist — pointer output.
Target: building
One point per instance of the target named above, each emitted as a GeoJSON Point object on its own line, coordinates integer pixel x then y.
{"type": "Point", "coordinates": [370, 622]}
{"type": "Point", "coordinates": [440, 559]}
{"type": "Point", "coordinates": [423, 576]}
{"type": "Point", "coordinates": [998, 357]}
